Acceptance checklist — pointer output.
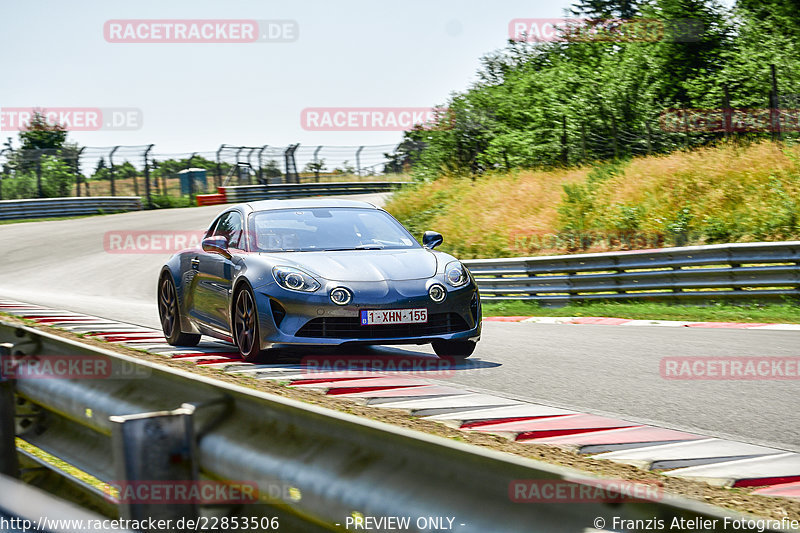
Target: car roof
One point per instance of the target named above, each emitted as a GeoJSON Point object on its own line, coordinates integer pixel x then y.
{"type": "Point", "coordinates": [304, 203]}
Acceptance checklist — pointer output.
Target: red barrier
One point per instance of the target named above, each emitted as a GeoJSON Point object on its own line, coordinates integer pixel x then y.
{"type": "Point", "coordinates": [211, 199]}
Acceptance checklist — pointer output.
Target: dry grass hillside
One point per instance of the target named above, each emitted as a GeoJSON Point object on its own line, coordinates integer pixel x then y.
{"type": "Point", "coordinates": [729, 193]}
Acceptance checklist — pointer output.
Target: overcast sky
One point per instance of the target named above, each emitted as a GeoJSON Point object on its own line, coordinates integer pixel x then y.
{"type": "Point", "coordinates": [193, 97]}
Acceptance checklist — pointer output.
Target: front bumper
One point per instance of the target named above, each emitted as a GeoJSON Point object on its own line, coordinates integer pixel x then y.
{"type": "Point", "coordinates": [290, 317]}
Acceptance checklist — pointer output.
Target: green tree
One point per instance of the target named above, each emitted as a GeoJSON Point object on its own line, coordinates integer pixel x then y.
{"type": "Point", "coordinates": [782, 15]}
{"type": "Point", "coordinates": [40, 134]}
{"type": "Point", "coordinates": [57, 177]}
{"type": "Point", "coordinates": [604, 9]}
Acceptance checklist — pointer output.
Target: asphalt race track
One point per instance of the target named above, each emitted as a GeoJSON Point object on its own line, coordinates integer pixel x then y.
{"type": "Point", "coordinates": [592, 368]}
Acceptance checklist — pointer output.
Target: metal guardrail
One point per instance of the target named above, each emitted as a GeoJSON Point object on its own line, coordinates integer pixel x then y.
{"type": "Point", "coordinates": [65, 207]}
{"type": "Point", "coordinates": [767, 271]}
{"type": "Point", "coordinates": [247, 193]}
{"type": "Point", "coordinates": [330, 466]}
{"type": "Point", "coordinates": [22, 508]}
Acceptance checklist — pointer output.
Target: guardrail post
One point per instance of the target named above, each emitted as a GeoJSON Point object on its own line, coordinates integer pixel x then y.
{"type": "Point", "coordinates": [8, 447]}
{"type": "Point", "coordinates": [155, 452]}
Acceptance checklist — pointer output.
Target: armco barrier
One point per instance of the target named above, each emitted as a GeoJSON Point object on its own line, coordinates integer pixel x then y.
{"type": "Point", "coordinates": [66, 207]}
{"type": "Point", "coordinates": [247, 193]}
{"type": "Point", "coordinates": [767, 271]}
{"type": "Point", "coordinates": [314, 467]}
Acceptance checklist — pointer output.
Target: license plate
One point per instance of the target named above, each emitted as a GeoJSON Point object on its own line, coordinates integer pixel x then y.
{"type": "Point", "coordinates": [394, 316]}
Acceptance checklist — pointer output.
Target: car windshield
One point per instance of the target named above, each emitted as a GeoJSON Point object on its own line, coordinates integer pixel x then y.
{"type": "Point", "coordinates": [329, 229]}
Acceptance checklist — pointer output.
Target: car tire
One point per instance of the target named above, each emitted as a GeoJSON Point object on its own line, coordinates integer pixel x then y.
{"type": "Point", "coordinates": [170, 315]}
{"type": "Point", "coordinates": [456, 349]}
{"type": "Point", "coordinates": [246, 335]}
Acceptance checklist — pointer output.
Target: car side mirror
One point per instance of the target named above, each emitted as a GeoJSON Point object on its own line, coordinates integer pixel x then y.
{"type": "Point", "coordinates": [216, 245]}
{"type": "Point", "coordinates": [431, 239]}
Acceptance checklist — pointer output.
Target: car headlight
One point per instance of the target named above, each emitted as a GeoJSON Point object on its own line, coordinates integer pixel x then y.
{"type": "Point", "coordinates": [294, 279]}
{"type": "Point", "coordinates": [455, 274]}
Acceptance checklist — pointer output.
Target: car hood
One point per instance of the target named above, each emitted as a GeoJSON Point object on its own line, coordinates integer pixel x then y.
{"type": "Point", "coordinates": [363, 265]}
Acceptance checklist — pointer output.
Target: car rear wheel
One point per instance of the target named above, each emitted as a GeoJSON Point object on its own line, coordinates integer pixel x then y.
{"type": "Point", "coordinates": [170, 315]}
{"type": "Point", "coordinates": [245, 325]}
{"type": "Point", "coordinates": [457, 349]}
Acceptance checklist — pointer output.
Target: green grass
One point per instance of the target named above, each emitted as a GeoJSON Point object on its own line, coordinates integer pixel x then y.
{"type": "Point", "coordinates": [652, 311]}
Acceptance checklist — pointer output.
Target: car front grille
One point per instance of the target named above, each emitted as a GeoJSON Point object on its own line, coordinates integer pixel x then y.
{"type": "Point", "coordinates": [351, 328]}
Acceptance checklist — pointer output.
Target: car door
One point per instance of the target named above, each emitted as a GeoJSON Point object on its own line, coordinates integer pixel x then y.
{"type": "Point", "coordinates": [213, 281]}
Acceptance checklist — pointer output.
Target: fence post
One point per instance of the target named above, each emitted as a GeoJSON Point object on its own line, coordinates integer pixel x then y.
{"type": "Point", "coordinates": [727, 112]}
{"type": "Point", "coordinates": [316, 163]}
{"type": "Point", "coordinates": [249, 164]}
{"type": "Point", "coordinates": [290, 164]}
{"type": "Point", "coordinates": [218, 177]}
{"type": "Point", "coordinates": [4, 174]}
{"type": "Point", "coordinates": [40, 192]}
{"type": "Point", "coordinates": [111, 170]}
{"type": "Point", "coordinates": [358, 160]}
{"type": "Point", "coordinates": [77, 169]}
{"type": "Point", "coordinates": [261, 164]}
{"type": "Point", "coordinates": [774, 111]}
{"type": "Point", "coordinates": [147, 177]}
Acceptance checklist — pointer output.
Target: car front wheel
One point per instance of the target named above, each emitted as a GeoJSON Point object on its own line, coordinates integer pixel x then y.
{"type": "Point", "coordinates": [457, 349]}
{"type": "Point", "coordinates": [170, 315]}
{"type": "Point", "coordinates": [245, 325]}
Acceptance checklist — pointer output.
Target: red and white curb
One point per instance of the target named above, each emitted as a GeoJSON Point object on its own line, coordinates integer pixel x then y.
{"type": "Point", "coordinates": [609, 321]}
{"type": "Point", "coordinates": [716, 461]}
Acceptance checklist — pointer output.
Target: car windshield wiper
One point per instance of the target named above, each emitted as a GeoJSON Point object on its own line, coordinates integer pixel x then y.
{"type": "Point", "coordinates": [359, 247]}
{"type": "Point", "coordinates": [287, 250]}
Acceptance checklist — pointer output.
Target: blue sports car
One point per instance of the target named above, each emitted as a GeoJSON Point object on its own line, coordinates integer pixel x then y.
{"type": "Point", "coordinates": [317, 272]}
